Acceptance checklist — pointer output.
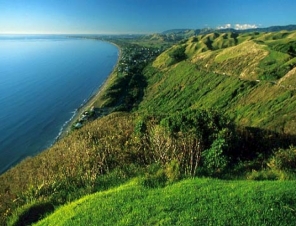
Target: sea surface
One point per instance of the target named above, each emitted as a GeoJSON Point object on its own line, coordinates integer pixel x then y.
{"type": "Point", "coordinates": [43, 81]}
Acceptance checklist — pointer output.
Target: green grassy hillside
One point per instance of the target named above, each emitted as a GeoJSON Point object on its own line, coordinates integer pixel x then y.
{"type": "Point", "coordinates": [190, 202]}
{"type": "Point", "coordinates": [247, 76]}
{"type": "Point", "coordinates": [217, 105]}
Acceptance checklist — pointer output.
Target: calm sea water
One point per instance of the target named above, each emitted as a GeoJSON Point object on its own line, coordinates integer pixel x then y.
{"type": "Point", "coordinates": [43, 80]}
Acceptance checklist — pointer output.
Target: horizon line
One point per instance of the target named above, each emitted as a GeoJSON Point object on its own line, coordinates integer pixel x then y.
{"type": "Point", "coordinates": [142, 33]}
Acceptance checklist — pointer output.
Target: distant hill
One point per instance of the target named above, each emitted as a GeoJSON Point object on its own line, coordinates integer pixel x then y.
{"type": "Point", "coordinates": [274, 28]}
{"type": "Point", "coordinates": [249, 75]}
{"type": "Point", "coordinates": [186, 32]}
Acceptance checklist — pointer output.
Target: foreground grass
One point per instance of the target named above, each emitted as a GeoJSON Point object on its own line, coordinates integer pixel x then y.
{"type": "Point", "coordinates": [189, 202]}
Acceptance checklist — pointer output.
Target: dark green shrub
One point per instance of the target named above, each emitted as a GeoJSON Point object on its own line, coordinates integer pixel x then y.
{"type": "Point", "coordinates": [172, 171]}
{"type": "Point", "coordinates": [284, 160]}
{"type": "Point", "coordinates": [140, 127]}
{"type": "Point", "coordinates": [178, 54]}
{"type": "Point", "coordinates": [156, 180]}
{"type": "Point", "coordinates": [187, 135]}
{"type": "Point", "coordinates": [264, 175]}
{"type": "Point", "coordinates": [214, 160]}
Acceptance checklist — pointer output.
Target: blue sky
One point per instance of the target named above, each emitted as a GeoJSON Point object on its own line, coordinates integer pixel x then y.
{"type": "Point", "coordinates": [139, 16]}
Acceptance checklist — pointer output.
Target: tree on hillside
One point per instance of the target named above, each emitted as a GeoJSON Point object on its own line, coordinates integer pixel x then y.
{"type": "Point", "coordinates": [197, 138]}
{"type": "Point", "coordinates": [291, 51]}
{"type": "Point", "coordinates": [179, 54]}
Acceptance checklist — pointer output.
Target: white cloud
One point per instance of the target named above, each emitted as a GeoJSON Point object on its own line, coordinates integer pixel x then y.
{"type": "Point", "coordinates": [224, 26]}
{"type": "Point", "coordinates": [244, 26]}
{"type": "Point", "coordinates": [238, 26]}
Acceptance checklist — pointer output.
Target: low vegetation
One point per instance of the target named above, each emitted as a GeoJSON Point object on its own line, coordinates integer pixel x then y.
{"type": "Point", "coordinates": [217, 105]}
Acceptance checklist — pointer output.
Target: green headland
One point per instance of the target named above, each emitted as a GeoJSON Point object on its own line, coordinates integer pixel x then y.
{"type": "Point", "coordinates": [192, 129]}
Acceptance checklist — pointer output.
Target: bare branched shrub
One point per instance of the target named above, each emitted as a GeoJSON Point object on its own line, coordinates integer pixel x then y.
{"type": "Point", "coordinates": [162, 145]}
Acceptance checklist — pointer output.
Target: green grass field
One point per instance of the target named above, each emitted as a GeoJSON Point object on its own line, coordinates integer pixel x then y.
{"type": "Point", "coordinates": [189, 202]}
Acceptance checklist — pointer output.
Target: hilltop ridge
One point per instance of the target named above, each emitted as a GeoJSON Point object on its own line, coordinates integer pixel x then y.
{"type": "Point", "coordinates": [179, 34]}
{"type": "Point", "coordinates": [187, 31]}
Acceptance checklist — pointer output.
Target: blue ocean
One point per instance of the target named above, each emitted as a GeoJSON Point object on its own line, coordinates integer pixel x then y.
{"type": "Point", "coordinates": [43, 81]}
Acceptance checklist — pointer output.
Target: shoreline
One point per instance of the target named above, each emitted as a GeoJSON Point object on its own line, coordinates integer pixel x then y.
{"type": "Point", "coordinates": [66, 127]}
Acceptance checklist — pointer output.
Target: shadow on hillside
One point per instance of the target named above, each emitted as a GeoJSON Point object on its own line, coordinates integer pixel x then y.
{"type": "Point", "coordinates": [127, 93]}
{"type": "Point", "coordinates": [34, 214]}
{"type": "Point", "coordinates": [256, 142]}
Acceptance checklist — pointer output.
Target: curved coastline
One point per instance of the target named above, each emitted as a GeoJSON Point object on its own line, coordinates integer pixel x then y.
{"type": "Point", "coordinates": [87, 103]}
{"type": "Point", "coordinates": [73, 114]}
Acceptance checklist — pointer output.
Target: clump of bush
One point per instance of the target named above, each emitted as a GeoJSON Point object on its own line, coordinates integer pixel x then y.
{"type": "Point", "coordinates": [157, 176]}
{"type": "Point", "coordinates": [214, 160]}
{"type": "Point", "coordinates": [178, 54]}
{"type": "Point", "coordinates": [155, 180]}
{"type": "Point", "coordinates": [281, 166]}
{"type": "Point", "coordinates": [284, 159]}
{"type": "Point", "coordinates": [199, 139]}
{"type": "Point", "coordinates": [265, 174]}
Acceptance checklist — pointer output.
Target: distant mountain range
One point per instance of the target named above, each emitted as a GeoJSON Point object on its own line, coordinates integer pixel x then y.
{"type": "Point", "coordinates": [190, 32]}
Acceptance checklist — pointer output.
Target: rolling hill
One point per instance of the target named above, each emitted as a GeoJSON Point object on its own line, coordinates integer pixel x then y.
{"type": "Point", "coordinates": [185, 33]}
{"type": "Point", "coordinates": [250, 76]}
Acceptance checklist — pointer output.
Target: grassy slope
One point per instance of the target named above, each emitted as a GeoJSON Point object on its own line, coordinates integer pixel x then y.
{"type": "Point", "coordinates": [250, 77]}
{"type": "Point", "coordinates": [189, 202]}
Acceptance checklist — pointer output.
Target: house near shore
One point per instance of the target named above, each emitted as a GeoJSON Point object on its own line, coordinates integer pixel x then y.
{"type": "Point", "coordinates": [78, 125]}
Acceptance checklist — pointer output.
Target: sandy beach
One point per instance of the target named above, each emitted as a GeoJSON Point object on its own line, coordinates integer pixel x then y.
{"type": "Point", "coordinates": [95, 100]}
